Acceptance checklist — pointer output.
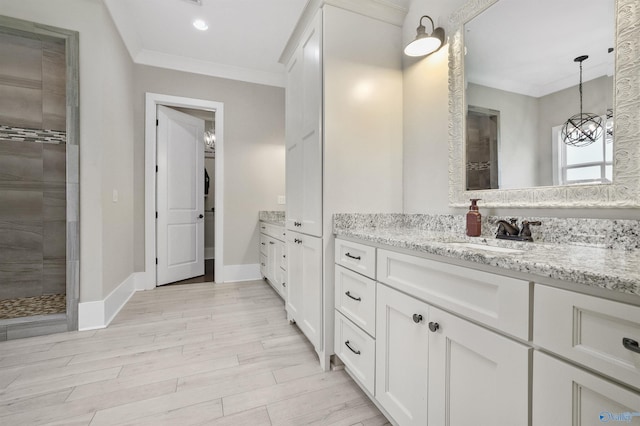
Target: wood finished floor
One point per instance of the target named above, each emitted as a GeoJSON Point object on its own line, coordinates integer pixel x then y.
{"type": "Point", "coordinates": [198, 354]}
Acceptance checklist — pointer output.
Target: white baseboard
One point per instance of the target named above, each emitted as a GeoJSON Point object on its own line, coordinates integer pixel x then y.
{"type": "Point", "coordinates": [98, 314]}
{"type": "Point", "coordinates": [248, 272]}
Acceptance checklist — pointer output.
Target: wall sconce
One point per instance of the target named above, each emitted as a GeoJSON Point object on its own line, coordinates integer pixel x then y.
{"type": "Point", "coordinates": [425, 44]}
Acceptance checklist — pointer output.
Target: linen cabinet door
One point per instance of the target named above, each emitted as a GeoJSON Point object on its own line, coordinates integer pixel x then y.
{"type": "Point", "coordinates": [294, 277]}
{"type": "Point", "coordinates": [567, 395]}
{"type": "Point", "coordinates": [402, 347]}
{"type": "Point", "coordinates": [476, 377]}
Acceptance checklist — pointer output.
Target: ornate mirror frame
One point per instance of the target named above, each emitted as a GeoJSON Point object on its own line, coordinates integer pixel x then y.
{"type": "Point", "coordinates": [625, 189]}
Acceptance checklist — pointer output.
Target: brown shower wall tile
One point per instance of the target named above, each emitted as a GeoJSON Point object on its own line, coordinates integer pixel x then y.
{"type": "Point", "coordinates": [20, 161]}
{"type": "Point", "coordinates": [54, 111]}
{"type": "Point", "coordinates": [20, 280]}
{"type": "Point", "coordinates": [21, 107]}
{"type": "Point", "coordinates": [21, 202]}
{"type": "Point", "coordinates": [54, 276]}
{"type": "Point", "coordinates": [26, 57]}
{"type": "Point", "coordinates": [54, 240]}
{"type": "Point", "coordinates": [22, 242]}
{"type": "Point", "coordinates": [54, 68]}
{"type": "Point", "coordinates": [54, 201]}
{"type": "Point", "coordinates": [54, 162]}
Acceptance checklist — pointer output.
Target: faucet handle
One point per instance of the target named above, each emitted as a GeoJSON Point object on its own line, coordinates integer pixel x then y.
{"type": "Point", "coordinates": [526, 231]}
{"type": "Point", "coordinates": [513, 221]}
{"type": "Point", "coordinates": [533, 223]}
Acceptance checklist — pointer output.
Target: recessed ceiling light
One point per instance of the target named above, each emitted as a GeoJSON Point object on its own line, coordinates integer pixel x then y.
{"type": "Point", "coordinates": [200, 25]}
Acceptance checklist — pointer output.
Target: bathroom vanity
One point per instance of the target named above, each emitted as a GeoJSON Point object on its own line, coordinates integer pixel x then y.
{"type": "Point", "coordinates": [439, 328]}
{"type": "Point", "coordinates": [273, 257]}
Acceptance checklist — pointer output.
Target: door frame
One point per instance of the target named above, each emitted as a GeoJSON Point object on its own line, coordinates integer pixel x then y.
{"type": "Point", "coordinates": [152, 100]}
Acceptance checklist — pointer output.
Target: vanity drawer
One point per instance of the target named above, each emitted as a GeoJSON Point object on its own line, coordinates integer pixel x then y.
{"type": "Point", "coordinates": [357, 257]}
{"type": "Point", "coordinates": [589, 330]}
{"type": "Point", "coordinates": [357, 350]}
{"type": "Point", "coordinates": [274, 231]}
{"type": "Point", "coordinates": [497, 301]}
{"type": "Point", "coordinates": [356, 298]}
{"type": "Point", "coordinates": [264, 242]}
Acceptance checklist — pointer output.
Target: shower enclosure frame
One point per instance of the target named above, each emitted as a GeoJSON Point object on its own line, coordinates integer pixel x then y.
{"type": "Point", "coordinates": [34, 30]}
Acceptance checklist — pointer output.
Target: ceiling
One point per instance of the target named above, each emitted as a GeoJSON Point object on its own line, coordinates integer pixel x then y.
{"type": "Point", "coordinates": [244, 40]}
{"type": "Point", "coordinates": [533, 54]}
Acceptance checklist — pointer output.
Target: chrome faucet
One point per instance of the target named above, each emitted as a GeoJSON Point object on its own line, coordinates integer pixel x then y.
{"type": "Point", "coordinates": [510, 231]}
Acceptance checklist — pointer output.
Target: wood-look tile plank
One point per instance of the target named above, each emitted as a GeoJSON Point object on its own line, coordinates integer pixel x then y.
{"type": "Point", "coordinates": [281, 392]}
{"type": "Point", "coordinates": [206, 354]}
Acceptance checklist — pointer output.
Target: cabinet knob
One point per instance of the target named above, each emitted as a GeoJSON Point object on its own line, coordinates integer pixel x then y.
{"type": "Point", "coordinates": [200, 216]}
{"type": "Point", "coordinates": [631, 344]}
{"type": "Point", "coordinates": [271, 242]}
{"type": "Point", "coordinates": [284, 284]}
{"type": "Point", "coordinates": [417, 318]}
{"type": "Point", "coordinates": [434, 326]}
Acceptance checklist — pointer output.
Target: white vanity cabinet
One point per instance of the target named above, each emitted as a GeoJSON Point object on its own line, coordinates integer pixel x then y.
{"type": "Point", "coordinates": [590, 333]}
{"type": "Point", "coordinates": [273, 263]}
{"type": "Point", "coordinates": [443, 351]}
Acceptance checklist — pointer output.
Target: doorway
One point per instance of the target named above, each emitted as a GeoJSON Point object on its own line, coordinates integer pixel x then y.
{"type": "Point", "coordinates": [153, 100]}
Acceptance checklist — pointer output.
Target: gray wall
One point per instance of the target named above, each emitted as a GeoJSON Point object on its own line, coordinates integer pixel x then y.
{"type": "Point", "coordinates": [425, 149]}
{"type": "Point", "coordinates": [253, 152]}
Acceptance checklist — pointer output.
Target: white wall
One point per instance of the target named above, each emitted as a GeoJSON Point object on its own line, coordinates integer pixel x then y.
{"type": "Point", "coordinates": [425, 148]}
{"type": "Point", "coordinates": [253, 152]}
{"type": "Point", "coordinates": [106, 138]}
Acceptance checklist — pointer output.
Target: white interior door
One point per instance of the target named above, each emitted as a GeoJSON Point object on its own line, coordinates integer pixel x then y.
{"type": "Point", "coordinates": [180, 196]}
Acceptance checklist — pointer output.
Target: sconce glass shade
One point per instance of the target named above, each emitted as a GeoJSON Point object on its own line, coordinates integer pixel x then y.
{"type": "Point", "coordinates": [425, 44]}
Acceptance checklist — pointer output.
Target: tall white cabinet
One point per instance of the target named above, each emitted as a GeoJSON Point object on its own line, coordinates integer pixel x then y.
{"type": "Point", "coordinates": [343, 142]}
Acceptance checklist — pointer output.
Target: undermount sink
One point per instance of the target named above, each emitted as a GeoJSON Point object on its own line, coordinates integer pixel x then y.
{"type": "Point", "coordinates": [485, 247]}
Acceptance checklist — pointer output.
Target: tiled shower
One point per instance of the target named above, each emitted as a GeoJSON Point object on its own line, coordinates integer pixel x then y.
{"type": "Point", "coordinates": [33, 182]}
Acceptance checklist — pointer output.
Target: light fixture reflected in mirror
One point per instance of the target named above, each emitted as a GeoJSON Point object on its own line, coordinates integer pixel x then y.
{"type": "Point", "coordinates": [425, 44]}
{"type": "Point", "coordinates": [584, 128]}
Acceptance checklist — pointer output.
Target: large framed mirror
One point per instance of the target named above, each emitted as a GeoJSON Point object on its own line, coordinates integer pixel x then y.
{"type": "Point", "coordinates": [516, 79]}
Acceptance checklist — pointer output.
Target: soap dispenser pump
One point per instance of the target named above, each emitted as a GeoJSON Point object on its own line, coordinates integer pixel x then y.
{"type": "Point", "coordinates": [474, 219]}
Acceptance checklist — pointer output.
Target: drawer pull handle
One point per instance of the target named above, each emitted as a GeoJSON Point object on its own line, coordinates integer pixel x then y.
{"type": "Point", "coordinates": [631, 344]}
{"type": "Point", "coordinates": [358, 299]}
{"type": "Point", "coordinates": [352, 256]}
{"type": "Point", "coordinates": [351, 349]}
{"type": "Point", "coordinates": [417, 318]}
{"type": "Point", "coordinates": [434, 326]}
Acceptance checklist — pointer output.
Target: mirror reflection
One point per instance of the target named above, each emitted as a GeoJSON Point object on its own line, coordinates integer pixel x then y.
{"type": "Point", "coordinates": [523, 83]}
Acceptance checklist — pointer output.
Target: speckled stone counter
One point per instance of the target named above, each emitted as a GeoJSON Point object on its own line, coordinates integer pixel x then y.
{"type": "Point", "coordinates": [609, 260]}
{"type": "Point", "coordinates": [275, 217]}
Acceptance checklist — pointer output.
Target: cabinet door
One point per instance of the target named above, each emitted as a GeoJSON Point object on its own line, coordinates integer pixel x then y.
{"type": "Point", "coordinates": [304, 302]}
{"type": "Point", "coordinates": [304, 138]}
{"type": "Point", "coordinates": [476, 376]}
{"type": "Point", "coordinates": [272, 260]}
{"type": "Point", "coordinates": [402, 347]}
{"type": "Point", "coordinates": [293, 170]}
{"type": "Point", "coordinates": [567, 395]}
{"type": "Point", "coordinates": [294, 277]}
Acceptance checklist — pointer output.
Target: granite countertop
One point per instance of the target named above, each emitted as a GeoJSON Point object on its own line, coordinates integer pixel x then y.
{"type": "Point", "coordinates": [607, 268]}
{"type": "Point", "coordinates": [274, 217]}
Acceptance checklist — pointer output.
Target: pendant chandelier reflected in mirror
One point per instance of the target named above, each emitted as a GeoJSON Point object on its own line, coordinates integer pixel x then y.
{"type": "Point", "coordinates": [584, 128]}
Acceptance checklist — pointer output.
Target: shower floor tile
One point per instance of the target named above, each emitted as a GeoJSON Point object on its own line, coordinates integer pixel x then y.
{"type": "Point", "coordinates": [30, 306]}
